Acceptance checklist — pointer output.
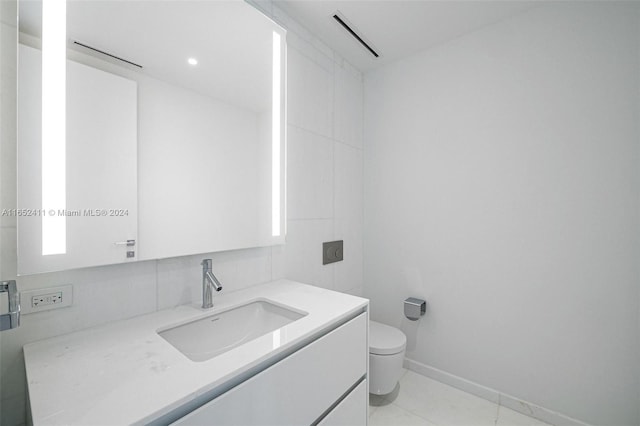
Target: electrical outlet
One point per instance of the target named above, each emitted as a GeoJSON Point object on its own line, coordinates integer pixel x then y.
{"type": "Point", "coordinates": [45, 299]}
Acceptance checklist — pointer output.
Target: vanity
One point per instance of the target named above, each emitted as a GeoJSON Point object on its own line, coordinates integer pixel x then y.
{"type": "Point", "coordinates": [172, 144]}
{"type": "Point", "coordinates": [311, 370]}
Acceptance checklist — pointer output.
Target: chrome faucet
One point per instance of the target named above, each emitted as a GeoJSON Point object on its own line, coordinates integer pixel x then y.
{"type": "Point", "coordinates": [209, 283]}
{"type": "Point", "coordinates": [11, 319]}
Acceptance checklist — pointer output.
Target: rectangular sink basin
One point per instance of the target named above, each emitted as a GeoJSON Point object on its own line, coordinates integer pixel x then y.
{"type": "Point", "coordinates": [208, 337]}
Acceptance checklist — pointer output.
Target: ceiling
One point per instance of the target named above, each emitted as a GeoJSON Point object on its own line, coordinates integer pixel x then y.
{"type": "Point", "coordinates": [396, 28]}
{"type": "Point", "coordinates": [160, 35]}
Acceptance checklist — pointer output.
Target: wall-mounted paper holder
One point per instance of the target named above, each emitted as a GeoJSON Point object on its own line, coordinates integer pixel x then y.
{"type": "Point", "coordinates": [414, 308]}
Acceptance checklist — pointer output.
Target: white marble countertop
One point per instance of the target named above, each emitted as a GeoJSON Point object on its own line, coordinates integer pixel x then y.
{"type": "Point", "coordinates": [125, 373]}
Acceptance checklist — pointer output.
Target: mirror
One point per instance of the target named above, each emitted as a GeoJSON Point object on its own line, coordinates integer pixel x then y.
{"type": "Point", "coordinates": [174, 135]}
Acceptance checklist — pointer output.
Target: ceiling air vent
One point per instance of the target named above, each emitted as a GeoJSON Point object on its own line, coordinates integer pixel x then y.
{"type": "Point", "coordinates": [102, 52]}
{"type": "Point", "coordinates": [344, 23]}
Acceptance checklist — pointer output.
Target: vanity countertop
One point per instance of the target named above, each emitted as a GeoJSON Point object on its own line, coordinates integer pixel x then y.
{"type": "Point", "coordinates": [125, 373]}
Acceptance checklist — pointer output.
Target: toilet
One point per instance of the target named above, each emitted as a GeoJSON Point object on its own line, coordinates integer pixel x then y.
{"type": "Point", "coordinates": [386, 355]}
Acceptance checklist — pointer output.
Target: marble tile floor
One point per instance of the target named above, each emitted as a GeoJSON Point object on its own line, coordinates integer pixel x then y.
{"type": "Point", "coordinates": [421, 401]}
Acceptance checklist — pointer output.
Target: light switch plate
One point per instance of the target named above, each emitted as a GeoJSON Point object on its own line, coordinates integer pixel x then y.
{"type": "Point", "coordinates": [332, 252]}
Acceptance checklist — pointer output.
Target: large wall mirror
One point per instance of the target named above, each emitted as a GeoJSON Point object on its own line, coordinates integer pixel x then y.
{"type": "Point", "coordinates": [147, 129]}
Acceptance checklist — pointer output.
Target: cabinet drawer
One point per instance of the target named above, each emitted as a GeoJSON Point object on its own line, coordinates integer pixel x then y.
{"type": "Point", "coordinates": [352, 410]}
{"type": "Point", "coordinates": [298, 389]}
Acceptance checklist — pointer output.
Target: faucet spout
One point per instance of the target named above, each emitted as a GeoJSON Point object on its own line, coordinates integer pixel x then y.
{"type": "Point", "coordinates": [213, 281]}
{"type": "Point", "coordinates": [209, 283]}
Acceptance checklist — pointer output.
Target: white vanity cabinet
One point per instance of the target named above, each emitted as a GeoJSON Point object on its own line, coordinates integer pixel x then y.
{"type": "Point", "coordinates": [321, 383]}
{"type": "Point", "coordinates": [349, 411]}
{"type": "Point", "coordinates": [311, 371]}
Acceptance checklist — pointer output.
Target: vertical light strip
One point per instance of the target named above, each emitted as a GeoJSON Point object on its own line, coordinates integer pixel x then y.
{"type": "Point", "coordinates": [54, 78]}
{"type": "Point", "coordinates": [276, 124]}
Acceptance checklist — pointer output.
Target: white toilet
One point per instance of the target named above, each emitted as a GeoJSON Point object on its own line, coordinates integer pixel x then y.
{"type": "Point", "coordinates": [386, 354]}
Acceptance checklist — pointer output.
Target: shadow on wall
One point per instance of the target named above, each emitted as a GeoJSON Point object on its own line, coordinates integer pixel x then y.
{"type": "Point", "coordinates": [410, 329]}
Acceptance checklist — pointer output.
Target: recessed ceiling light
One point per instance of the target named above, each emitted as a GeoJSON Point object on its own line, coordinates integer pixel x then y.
{"type": "Point", "coordinates": [192, 61]}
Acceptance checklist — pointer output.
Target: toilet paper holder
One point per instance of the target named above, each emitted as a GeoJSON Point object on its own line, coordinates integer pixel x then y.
{"type": "Point", "coordinates": [414, 308]}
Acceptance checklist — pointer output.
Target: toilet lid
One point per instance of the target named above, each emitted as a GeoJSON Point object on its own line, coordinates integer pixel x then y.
{"type": "Point", "coordinates": [385, 340]}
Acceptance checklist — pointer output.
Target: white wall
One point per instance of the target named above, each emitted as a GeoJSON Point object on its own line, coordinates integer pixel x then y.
{"type": "Point", "coordinates": [324, 193]}
{"type": "Point", "coordinates": [502, 184]}
{"type": "Point", "coordinates": [324, 203]}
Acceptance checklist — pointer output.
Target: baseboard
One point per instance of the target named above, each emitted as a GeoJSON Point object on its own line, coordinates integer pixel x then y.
{"type": "Point", "coordinates": [524, 407]}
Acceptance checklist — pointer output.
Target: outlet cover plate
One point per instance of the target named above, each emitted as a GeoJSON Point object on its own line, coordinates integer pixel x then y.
{"type": "Point", "coordinates": [332, 252]}
{"type": "Point", "coordinates": [62, 295]}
